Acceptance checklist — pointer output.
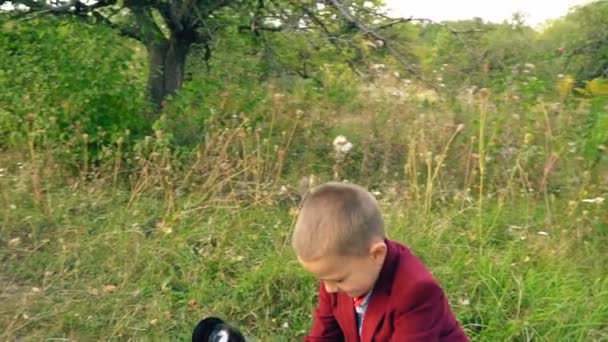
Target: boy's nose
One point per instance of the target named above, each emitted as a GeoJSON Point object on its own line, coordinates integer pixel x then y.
{"type": "Point", "coordinates": [330, 288]}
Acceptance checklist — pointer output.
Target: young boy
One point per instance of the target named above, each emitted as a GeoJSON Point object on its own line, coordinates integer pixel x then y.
{"type": "Point", "coordinates": [372, 288]}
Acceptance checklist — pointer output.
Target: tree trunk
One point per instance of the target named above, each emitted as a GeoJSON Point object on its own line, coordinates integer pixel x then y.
{"type": "Point", "coordinates": [167, 60]}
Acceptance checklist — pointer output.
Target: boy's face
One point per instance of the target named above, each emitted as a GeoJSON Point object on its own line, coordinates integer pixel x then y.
{"type": "Point", "coordinates": [352, 275]}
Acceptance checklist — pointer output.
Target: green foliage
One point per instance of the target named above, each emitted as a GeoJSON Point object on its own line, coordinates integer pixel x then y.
{"type": "Point", "coordinates": [68, 78]}
{"type": "Point", "coordinates": [596, 130]}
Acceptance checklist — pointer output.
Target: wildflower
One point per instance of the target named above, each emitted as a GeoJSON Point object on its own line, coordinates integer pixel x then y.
{"type": "Point", "coordinates": [543, 233]}
{"type": "Point", "coordinates": [464, 301]}
{"type": "Point", "coordinates": [484, 93]}
{"type": "Point", "coordinates": [597, 200]}
{"type": "Point", "coordinates": [14, 242]}
{"type": "Point", "coordinates": [109, 289]}
{"type": "Point", "coordinates": [283, 190]}
{"type": "Point", "coordinates": [342, 145]}
{"type": "Point", "coordinates": [192, 304]}
{"type": "Point", "coordinates": [164, 227]}
{"type": "Point", "coordinates": [397, 93]}
{"type": "Point", "coordinates": [12, 206]}
{"type": "Point", "coordinates": [529, 65]}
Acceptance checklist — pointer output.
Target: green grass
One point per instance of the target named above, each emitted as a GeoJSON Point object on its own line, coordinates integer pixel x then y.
{"type": "Point", "coordinates": [236, 262]}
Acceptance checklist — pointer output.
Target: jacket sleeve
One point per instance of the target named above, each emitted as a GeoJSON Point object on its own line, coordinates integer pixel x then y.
{"type": "Point", "coordinates": [325, 327]}
{"type": "Point", "coordinates": [421, 318]}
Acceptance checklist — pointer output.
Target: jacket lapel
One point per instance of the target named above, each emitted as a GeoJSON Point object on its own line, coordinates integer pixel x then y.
{"type": "Point", "coordinates": [348, 321]}
{"type": "Point", "coordinates": [380, 296]}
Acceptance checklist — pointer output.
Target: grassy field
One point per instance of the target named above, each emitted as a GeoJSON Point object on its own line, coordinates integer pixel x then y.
{"type": "Point", "coordinates": [94, 266]}
{"type": "Point", "coordinates": [144, 243]}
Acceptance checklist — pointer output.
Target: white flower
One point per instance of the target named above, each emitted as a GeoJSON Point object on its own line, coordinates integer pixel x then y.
{"type": "Point", "coordinates": [342, 145]}
{"type": "Point", "coordinates": [543, 233]}
{"type": "Point", "coordinates": [529, 65]}
{"type": "Point", "coordinates": [12, 206]}
{"type": "Point", "coordinates": [14, 242]}
{"type": "Point", "coordinates": [464, 301]}
{"type": "Point", "coordinates": [283, 190]}
{"type": "Point", "coordinates": [339, 140]}
{"type": "Point", "coordinates": [597, 200]}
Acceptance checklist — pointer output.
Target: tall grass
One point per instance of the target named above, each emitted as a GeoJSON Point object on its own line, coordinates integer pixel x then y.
{"type": "Point", "coordinates": [151, 238]}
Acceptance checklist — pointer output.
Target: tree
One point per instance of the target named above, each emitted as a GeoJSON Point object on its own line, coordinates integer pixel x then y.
{"type": "Point", "coordinates": [169, 28]}
{"type": "Point", "coordinates": [580, 39]}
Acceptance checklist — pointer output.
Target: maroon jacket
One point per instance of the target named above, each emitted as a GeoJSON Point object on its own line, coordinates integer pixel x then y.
{"type": "Point", "coordinates": [406, 305]}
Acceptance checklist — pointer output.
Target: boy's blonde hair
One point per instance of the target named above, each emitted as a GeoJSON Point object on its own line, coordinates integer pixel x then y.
{"type": "Point", "coordinates": [337, 219]}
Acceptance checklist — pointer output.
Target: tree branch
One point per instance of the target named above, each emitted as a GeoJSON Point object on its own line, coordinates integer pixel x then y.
{"type": "Point", "coordinates": [149, 30]}
{"type": "Point", "coordinates": [345, 12]}
{"type": "Point", "coordinates": [123, 30]}
{"type": "Point", "coordinates": [80, 9]}
{"type": "Point", "coordinates": [253, 27]}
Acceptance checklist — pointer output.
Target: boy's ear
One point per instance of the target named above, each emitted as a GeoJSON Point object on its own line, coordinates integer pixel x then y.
{"type": "Point", "coordinates": [378, 251]}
